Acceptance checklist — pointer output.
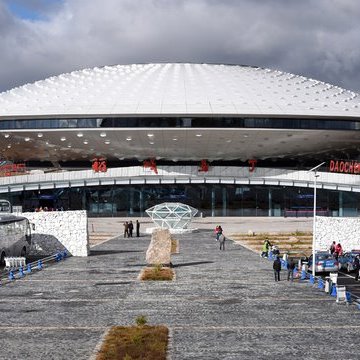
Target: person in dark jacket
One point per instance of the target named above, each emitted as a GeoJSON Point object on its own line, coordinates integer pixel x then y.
{"type": "Point", "coordinates": [290, 268]}
{"type": "Point", "coordinates": [131, 228]}
{"type": "Point", "coordinates": [137, 228]}
{"type": "Point", "coordinates": [126, 229]}
{"type": "Point", "coordinates": [277, 268]}
{"type": "Point", "coordinates": [332, 247]}
{"type": "Point", "coordinates": [357, 267]}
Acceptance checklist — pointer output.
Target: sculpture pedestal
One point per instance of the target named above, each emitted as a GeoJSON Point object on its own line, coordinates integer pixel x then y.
{"type": "Point", "coordinates": [172, 231]}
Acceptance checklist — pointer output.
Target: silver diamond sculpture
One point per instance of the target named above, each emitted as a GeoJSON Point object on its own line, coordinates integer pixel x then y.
{"type": "Point", "coordinates": [172, 215]}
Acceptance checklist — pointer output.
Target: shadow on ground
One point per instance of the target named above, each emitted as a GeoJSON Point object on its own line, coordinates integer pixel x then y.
{"type": "Point", "coordinates": [109, 252]}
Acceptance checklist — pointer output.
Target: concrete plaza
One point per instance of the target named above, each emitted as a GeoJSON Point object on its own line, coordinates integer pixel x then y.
{"type": "Point", "coordinates": [231, 225]}
{"type": "Point", "coordinates": [222, 305]}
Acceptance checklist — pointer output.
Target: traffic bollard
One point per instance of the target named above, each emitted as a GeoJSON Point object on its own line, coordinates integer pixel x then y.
{"type": "Point", "coordinates": [39, 265]}
{"type": "Point", "coordinates": [303, 275]}
{"type": "Point", "coordinates": [321, 284]}
{"type": "Point", "coordinates": [348, 297]}
{"type": "Point", "coordinates": [28, 270]}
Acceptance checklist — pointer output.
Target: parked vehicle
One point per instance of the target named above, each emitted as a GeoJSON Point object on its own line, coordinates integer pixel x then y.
{"type": "Point", "coordinates": [346, 261]}
{"type": "Point", "coordinates": [5, 206]}
{"type": "Point", "coordinates": [324, 262]}
{"type": "Point", "coordinates": [15, 236]}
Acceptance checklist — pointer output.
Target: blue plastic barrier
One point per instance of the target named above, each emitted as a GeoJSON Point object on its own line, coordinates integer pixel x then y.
{"type": "Point", "coordinates": [39, 265]}
{"type": "Point", "coordinates": [21, 272]}
{"type": "Point", "coordinates": [11, 276]}
{"type": "Point", "coordinates": [64, 254]}
{"type": "Point", "coordinates": [28, 270]}
{"type": "Point", "coordinates": [333, 291]}
{"type": "Point", "coordinates": [303, 275]}
{"type": "Point", "coordinates": [321, 284]}
{"type": "Point", "coordinates": [312, 279]}
{"type": "Point", "coordinates": [348, 297]}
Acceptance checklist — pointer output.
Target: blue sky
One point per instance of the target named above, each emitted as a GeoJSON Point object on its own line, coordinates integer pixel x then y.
{"type": "Point", "coordinates": [314, 38]}
{"type": "Point", "coordinates": [32, 10]}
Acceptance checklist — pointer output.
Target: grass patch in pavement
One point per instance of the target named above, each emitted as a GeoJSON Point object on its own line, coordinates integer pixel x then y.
{"type": "Point", "coordinates": [157, 273]}
{"type": "Point", "coordinates": [136, 342]}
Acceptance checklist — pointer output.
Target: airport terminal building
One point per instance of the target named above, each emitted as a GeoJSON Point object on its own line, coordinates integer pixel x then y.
{"type": "Point", "coordinates": [229, 140]}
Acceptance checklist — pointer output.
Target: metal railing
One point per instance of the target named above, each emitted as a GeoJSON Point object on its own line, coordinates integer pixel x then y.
{"type": "Point", "coordinates": [180, 174]}
{"type": "Point", "coordinates": [16, 270]}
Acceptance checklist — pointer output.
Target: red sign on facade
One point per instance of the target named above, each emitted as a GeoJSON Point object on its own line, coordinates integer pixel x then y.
{"type": "Point", "coordinates": [12, 169]}
{"type": "Point", "coordinates": [344, 166]}
{"type": "Point", "coordinates": [151, 164]}
{"type": "Point", "coordinates": [252, 164]}
{"type": "Point", "coordinates": [204, 166]}
{"type": "Point", "coordinates": [99, 165]}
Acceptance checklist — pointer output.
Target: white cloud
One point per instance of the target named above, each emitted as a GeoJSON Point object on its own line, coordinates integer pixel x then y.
{"type": "Point", "coordinates": [315, 38]}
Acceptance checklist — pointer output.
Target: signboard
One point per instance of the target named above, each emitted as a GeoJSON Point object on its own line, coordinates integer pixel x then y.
{"type": "Point", "coordinates": [150, 164]}
{"type": "Point", "coordinates": [204, 166]}
{"type": "Point", "coordinates": [99, 165]}
{"type": "Point", "coordinates": [252, 164]}
{"type": "Point", "coordinates": [344, 166]}
{"type": "Point", "coordinates": [12, 169]}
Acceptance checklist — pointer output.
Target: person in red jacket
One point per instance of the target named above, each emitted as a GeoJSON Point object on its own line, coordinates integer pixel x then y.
{"type": "Point", "coordinates": [218, 232]}
{"type": "Point", "coordinates": [338, 250]}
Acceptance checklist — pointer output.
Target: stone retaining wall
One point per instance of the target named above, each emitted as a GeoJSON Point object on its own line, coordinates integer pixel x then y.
{"type": "Point", "coordinates": [345, 231]}
{"type": "Point", "coordinates": [59, 230]}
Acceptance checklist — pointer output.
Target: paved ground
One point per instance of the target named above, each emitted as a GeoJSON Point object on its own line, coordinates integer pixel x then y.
{"type": "Point", "coordinates": [223, 305]}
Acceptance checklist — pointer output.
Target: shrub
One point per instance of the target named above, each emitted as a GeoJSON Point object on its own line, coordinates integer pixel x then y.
{"type": "Point", "coordinates": [140, 320]}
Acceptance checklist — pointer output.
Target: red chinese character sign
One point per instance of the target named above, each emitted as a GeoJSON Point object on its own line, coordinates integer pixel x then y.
{"type": "Point", "coordinates": [204, 166]}
{"type": "Point", "coordinates": [252, 165]}
{"type": "Point", "coordinates": [10, 169]}
{"type": "Point", "coordinates": [150, 164]}
{"type": "Point", "coordinates": [99, 165]}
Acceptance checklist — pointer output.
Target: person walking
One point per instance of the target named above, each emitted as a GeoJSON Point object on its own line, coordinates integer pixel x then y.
{"type": "Point", "coordinates": [332, 247]}
{"type": "Point", "coordinates": [277, 268]}
{"type": "Point", "coordinates": [290, 269]}
{"type": "Point", "coordinates": [218, 232]}
{"type": "Point", "coordinates": [338, 251]}
{"type": "Point", "coordinates": [137, 228]}
{"type": "Point", "coordinates": [131, 228]}
{"type": "Point", "coordinates": [357, 267]}
{"type": "Point", "coordinates": [275, 250]}
{"type": "Point", "coordinates": [126, 229]}
{"type": "Point", "coordinates": [222, 241]}
{"type": "Point", "coordinates": [265, 248]}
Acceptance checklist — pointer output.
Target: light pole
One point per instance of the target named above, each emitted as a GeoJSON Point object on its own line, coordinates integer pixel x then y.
{"type": "Point", "coordinates": [314, 217]}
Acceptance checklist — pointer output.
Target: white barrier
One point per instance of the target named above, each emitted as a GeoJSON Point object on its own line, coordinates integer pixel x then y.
{"type": "Point", "coordinates": [14, 262]}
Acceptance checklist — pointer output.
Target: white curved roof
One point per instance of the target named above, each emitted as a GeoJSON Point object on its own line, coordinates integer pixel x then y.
{"type": "Point", "coordinates": [178, 89]}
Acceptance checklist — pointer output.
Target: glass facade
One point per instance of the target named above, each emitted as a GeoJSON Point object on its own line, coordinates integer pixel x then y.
{"type": "Point", "coordinates": [181, 122]}
{"type": "Point", "coordinates": [208, 199]}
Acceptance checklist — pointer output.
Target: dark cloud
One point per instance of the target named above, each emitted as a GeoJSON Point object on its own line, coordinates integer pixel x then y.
{"type": "Point", "coordinates": [314, 38]}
